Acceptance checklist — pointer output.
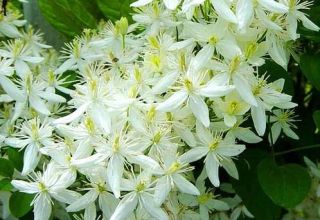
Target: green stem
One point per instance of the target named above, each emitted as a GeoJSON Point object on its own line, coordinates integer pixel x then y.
{"type": "Point", "coordinates": [298, 149]}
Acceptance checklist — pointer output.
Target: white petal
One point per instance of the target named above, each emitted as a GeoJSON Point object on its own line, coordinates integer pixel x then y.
{"type": "Point", "coordinates": [212, 90]}
{"type": "Point", "coordinates": [204, 134]}
{"type": "Point", "coordinates": [9, 30]}
{"type": "Point", "coordinates": [11, 89]}
{"type": "Point", "coordinates": [33, 59]}
{"type": "Point", "coordinates": [42, 207]}
{"type": "Point", "coordinates": [145, 162]}
{"type": "Point", "coordinates": [65, 195]}
{"type": "Point", "coordinates": [173, 102]}
{"type": "Point", "coordinates": [25, 187]}
{"type": "Point", "coordinates": [224, 10]}
{"type": "Point", "coordinates": [140, 3]}
{"type": "Point", "coordinates": [21, 68]}
{"type": "Point", "coordinates": [201, 59]}
{"type": "Point", "coordinates": [31, 158]}
{"type": "Point", "coordinates": [71, 117]}
{"type": "Point", "coordinates": [162, 189]}
{"type": "Point", "coordinates": [200, 109]}
{"type": "Point", "coordinates": [66, 65]}
{"type": "Point", "coordinates": [275, 133]}
{"type": "Point", "coordinates": [171, 4]}
{"type": "Point", "coordinates": [164, 83]}
{"type": "Point", "coordinates": [90, 212]}
{"type": "Point", "coordinates": [52, 97]}
{"type": "Point", "coordinates": [259, 119]}
{"type": "Point", "coordinates": [184, 185]}
{"type": "Point", "coordinates": [126, 206]}
{"type": "Point", "coordinates": [107, 204]}
{"type": "Point", "coordinates": [152, 208]}
{"type": "Point", "coordinates": [114, 172]}
{"type": "Point", "coordinates": [273, 6]}
{"type": "Point", "coordinates": [307, 23]}
{"type": "Point", "coordinates": [244, 13]}
{"type": "Point", "coordinates": [230, 150]}
{"type": "Point", "coordinates": [230, 167]}
{"type": "Point", "coordinates": [246, 135]}
{"type": "Point", "coordinates": [212, 168]}
{"type": "Point", "coordinates": [193, 155]}
{"type": "Point", "coordinates": [244, 89]}
{"type": "Point", "coordinates": [38, 104]}
{"type": "Point", "coordinates": [228, 48]}
{"type": "Point", "coordinates": [230, 120]}
{"type": "Point", "coordinates": [101, 117]}
{"type": "Point", "coordinates": [289, 132]}
{"type": "Point", "coordinates": [186, 135]}
{"type": "Point", "coordinates": [83, 201]}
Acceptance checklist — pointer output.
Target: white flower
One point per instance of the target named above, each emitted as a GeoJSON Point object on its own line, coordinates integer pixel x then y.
{"type": "Point", "coordinates": [282, 120]}
{"type": "Point", "coordinates": [139, 189]}
{"type": "Point", "coordinates": [294, 15]}
{"type": "Point", "coordinates": [20, 55]}
{"type": "Point", "coordinates": [98, 191]}
{"type": "Point", "coordinates": [46, 186]}
{"type": "Point", "coordinates": [218, 152]}
{"type": "Point", "coordinates": [33, 135]}
{"type": "Point", "coordinates": [192, 91]}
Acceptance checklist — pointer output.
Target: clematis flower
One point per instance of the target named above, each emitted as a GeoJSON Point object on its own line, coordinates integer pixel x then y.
{"type": "Point", "coordinates": [46, 186]}
{"type": "Point", "coordinates": [218, 152]}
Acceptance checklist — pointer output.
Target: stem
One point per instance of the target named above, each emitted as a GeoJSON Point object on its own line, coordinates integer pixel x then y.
{"type": "Point", "coordinates": [271, 139]}
{"type": "Point", "coordinates": [298, 149]}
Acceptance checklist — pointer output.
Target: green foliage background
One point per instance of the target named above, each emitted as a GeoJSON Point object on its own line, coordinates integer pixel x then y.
{"type": "Point", "coordinates": [272, 178]}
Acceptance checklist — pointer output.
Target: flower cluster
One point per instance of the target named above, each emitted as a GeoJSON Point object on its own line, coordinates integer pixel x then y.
{"type": "Point", "coordinates": [113, 127]}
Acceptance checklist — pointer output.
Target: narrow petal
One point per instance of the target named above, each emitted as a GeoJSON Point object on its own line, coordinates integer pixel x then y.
{"type": "Point", "coordinates": [274, 6]}
{"type": "Point", "coordinates": [259, 119]}
{"type": "Point", "coordinates": [26, 187]}
{"type": "Point", "coordinates": [11, 89]}
{"type": "Point", "coordinates": [31, 158]}
{"type": "Point", "coordinates": [184, 185]}
{"type": "Point", "coordinates": [154, 210]}
{"type": "Point", "coordinates": [83, 201]}
{"type": "Point", "coordinates": [193, 155]}
{"type": "Point", "coordinates": [114, 172]}
{"type": "Point", "coordinates": [171, 4]}
{"type": "Point", "coordinates": [200, 109]}
{"type": "Point", "coordinates": [42, 207]}
{"type": "Point", "coordinates": [244, 89]}
{"type": "Point", "coordinates": [73, 116]}
{"type": "Point", "coordinates": [162, 189]}
{"type": "Point", "coordinates": [231, 168]}
{"type": "Point", "coordinates": [230, 150]}
{"type": "Point", "coordinates": [126, 206]}
{"type": "Point", "coordinates": [140, 3]}
{"type": "Point", "coordinates": [244, 13]}
{"type": "Point", "coordinates": [224, 10]}
{"type": "Point", "coordinates": [212, 168]}
{"type": "Point", "coordinates": [38, 104]}
{"type": "Point", "coordinates": [173, 102]}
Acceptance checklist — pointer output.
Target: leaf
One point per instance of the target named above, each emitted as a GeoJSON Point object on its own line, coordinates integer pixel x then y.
{"type": "Point", "coordinates": [6, 168]}
{"type": "Point", "coordinates": [249, 189]}
{"type": "Point", "coordinates": [316, 118]}
{"type": "Point", "coordinates": [115, 9]}
{"type": "Point", "coordinates": [16, 158]}
{"type": "Point", "coordinates": [310, 67]}
{"type": "Point", "coordinates": [68, 16]}
{"type": "Point", "coordinates": [286, 185]}
{"type": "Point", "coordinates": [5, 185]}
{"type": "Point", "coordinates": [19, 204]}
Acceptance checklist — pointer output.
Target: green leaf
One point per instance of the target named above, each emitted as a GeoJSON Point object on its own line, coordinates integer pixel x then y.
{"type": "Point", "coordinates": [115, 9]}
{"type": "Point", "coordinates": [6, 168]}
{"type": "Point", "coordinates": [286, 185]}
{"type": "Point", "coordinates": [19, 204]}
{"type": "Point", "coordinates": [5, 185]}
{"type": "Point", "coordinates": [16, 158]}
{"type": "Point", "coordinates": [249, 189]}
{"type": "Point", "coordinates": [68, 16]}
{"type": "Point", "coordinates": [316, 118]}
{"type": "Point", "coordinates": [310, 66]}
